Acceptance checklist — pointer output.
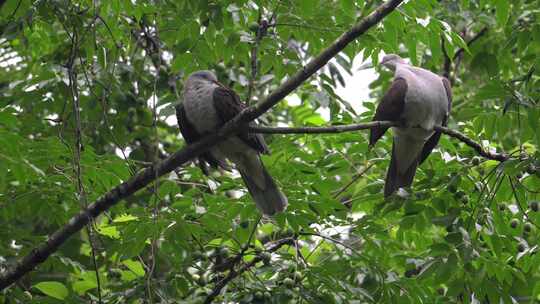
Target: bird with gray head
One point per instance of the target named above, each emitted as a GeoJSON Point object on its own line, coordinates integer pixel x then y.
{"type": "Point", "coordinates": [208, 105]}
{"type": "Point", "coordinates": [419, 100]}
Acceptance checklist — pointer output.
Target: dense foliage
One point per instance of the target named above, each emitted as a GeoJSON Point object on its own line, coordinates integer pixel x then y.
{"type": "Point", "coordinates": [87, 95]}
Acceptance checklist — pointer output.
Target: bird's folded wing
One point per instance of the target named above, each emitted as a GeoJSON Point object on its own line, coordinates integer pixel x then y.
{"type": "Point", "coordinates": [228, 105]}
{"type": "Point", "coordinates": [188, 131]}
{"type": "Point", "coordinates": [390, 108]}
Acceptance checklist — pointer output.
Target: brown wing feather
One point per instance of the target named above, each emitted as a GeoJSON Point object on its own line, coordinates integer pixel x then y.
{"type": "Point", "coordinates": [432, 142]}
{"type": "Point", "coordinates": [390, 108]}
{"type": "Point", "coordinates": [448, 89]}
{"type": "Point", "coordinates": [188, 131]}
{"type": "Point", "coordinates": [228, 105]}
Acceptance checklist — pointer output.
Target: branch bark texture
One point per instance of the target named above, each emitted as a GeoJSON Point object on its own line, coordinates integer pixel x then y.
{"type": "Point", "coordinates": [363, 126]}
{"type": "Point", "coordinates": [141, 180]}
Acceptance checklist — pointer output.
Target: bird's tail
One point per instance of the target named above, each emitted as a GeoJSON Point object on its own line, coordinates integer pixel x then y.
{"type": "Point", "coordinates": [396, 178]}
{"type": "Point", "coordinates": [267, 196]}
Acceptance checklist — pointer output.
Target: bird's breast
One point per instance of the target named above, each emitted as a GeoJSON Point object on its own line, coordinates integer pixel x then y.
{"type": "Point", "coordinates": [200, 109]}
{"type": "Point", "coordinates": [426, 102]}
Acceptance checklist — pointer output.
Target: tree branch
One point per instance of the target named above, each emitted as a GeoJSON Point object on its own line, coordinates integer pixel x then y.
{"type": "Point", "coordinates": [458, 56]}
{"type": "Point", "coordinates": [262, 29]}
{"type": "Point", "coordinates": [322, 130]}
{"type": "Point", "coordinates": [471, 41]}
{"type": "Point", "coordinates": [501, 157]}
{"type": "Point", "coordinates": [234, 273]}
{"type": "Point", "coordinates": [363, 126]}
{"type": "Point", "coordinates": [141, 180]}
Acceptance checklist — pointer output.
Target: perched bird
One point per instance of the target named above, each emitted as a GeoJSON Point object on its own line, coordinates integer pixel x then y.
{"type": "Point", "coordinates": [419, 100]}
{"type": "Point", "coordinates": [208, 105]}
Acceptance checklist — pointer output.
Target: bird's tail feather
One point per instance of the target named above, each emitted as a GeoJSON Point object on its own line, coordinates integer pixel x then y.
{"type": "Point", "coordinates": [269, 199]}
{"type": "Point", "coordinates": [395, 179]}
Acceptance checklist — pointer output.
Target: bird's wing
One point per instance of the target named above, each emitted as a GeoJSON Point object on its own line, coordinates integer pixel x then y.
{"type": "Point", "coordinates": [432, 142]}
{"type": "Point", "coordinates": [228, 105]}
{"type": "Point", "coordinates": [390, 108]}
{"type": "Point", "coordinates": [448, 89]}
{"type": "Point", "coordinates": [191, 135]}
{"type": "Point", "coordinates": [188, 131]}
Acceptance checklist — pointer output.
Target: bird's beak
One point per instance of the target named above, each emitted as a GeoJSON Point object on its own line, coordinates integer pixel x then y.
{"type": "Point", "coordinates": [365, 66]}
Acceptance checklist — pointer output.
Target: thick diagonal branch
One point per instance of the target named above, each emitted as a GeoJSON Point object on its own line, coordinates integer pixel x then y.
{"type": "Point", "coordinates": [141, 180]}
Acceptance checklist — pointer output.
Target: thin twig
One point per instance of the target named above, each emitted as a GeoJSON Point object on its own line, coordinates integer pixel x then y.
{"type": "Point", "coordinates": [234, 273]}
{"type": "Point", "coordinates": [364, 126]}
{"type": "Point", "coordinates": [307, 27]}
{"type": "Point", "coordinates": [518, 203]}
{"type": "Point", "coordinates": [353, 180]}
{"type": "Point", "coordinates": [501, 157]}
{"type": "Point", "coordinates": [154, 39]}
{"type": "Point", "coordinates": [458, 54]}
{"type": "Point", "coordinates": [471, 41]}
{"type": "Point", "coordinates": [322, 130]}
{"type": "Point", "coordinates": [261, 31]}
{"type": "Point", "coordinates": [81, 195]}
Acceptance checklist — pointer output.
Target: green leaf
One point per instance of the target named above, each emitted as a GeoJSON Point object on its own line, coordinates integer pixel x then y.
{"type": "Point", "coordinates": [82, 286]}
{"type": "Point", "coordinates": [125, 218]}
{"type": "Point", "coordinates": [7, 118]}
{"type": "Point", "coordinates": [109, 231]}
{"type": "Point", "coordinates": [135, 266]}
{"type": "Point", "coordinates": [53, 289]}
{"type": "Point", "coordinates": [503, 11]}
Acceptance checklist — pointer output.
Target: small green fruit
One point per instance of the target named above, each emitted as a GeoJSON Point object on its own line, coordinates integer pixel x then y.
{"type": "Point", "coordinates": [528, 227]}
{"type": "Point", "coordinates": [534, 206]}
{"type": "Point", "coordinates": [476, 161]}
{"type": "Point", "coordinates": [459, 194]}
{"type": "Point", "coordinates": [254, 26]}
{"type": "Point", "coordinates": [521, 247]}
{"type": "Point", "coordinates": [514, 223]}
{"type": "Point", "coordinates": [297, 276]}
{"type": "Point", "coordinates": [440, 291]}
{"type": "Point", "coordinates": [288, 282]}
{"type": "Point", "coordinates": [202, 281]}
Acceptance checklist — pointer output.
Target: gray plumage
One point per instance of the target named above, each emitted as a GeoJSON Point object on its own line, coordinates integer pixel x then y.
{"type": "Point", "coordinates": [420, 100]}
{"type": "Point", "coordinates": [207, 105]}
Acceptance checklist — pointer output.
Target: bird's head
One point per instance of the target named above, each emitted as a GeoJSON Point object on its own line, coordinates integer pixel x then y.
{"type": "Point", "coordinates": [201, 77]}
{"type": "Point", "coordinates": [391, 60]}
